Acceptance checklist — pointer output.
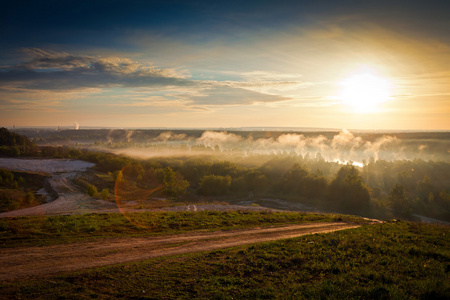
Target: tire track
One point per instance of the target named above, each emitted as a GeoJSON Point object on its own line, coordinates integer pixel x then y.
{"type": "Point", "coordinates": [32, 262]}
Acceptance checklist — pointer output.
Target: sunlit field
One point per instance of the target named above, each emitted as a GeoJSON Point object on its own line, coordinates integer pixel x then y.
{"type": "Point", "coordinates": [225, 149]}
{"type": "Point", "coordinates": [392, 260]}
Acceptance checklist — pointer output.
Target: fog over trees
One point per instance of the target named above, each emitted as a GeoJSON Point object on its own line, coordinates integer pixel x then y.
{"type": "Point", "coordinates": [310, 168]}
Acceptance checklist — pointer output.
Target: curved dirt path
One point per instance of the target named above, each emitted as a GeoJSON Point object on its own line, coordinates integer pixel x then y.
{"type": "Point", "coordinates": [69, 199]}
{"type": "Point", "coordinates": [31, 262]}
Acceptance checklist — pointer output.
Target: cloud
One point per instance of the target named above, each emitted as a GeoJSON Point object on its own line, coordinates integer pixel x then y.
{"type": "Point", "coordinates": [50, 70]}
{"type": "Point", "coordinates": [225, 95]}
{"type": "Point", "coordinates": [205, 95]}
{"type": "Point", "coordinates": [152, 101]}
{"type": "Point", "coordinates": [13, 99]}
{"type": "Point", "coordinates": [60, 72]}
{"type": "Point", "coordinates": [267, 86]}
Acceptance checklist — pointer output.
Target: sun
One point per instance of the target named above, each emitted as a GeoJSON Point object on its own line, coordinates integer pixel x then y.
{"type": "Point", "coordinates": [365, 91]}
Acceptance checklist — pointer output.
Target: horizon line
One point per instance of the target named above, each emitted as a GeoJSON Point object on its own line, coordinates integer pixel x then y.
{"type": "Point", "coordinates": [240, 128]}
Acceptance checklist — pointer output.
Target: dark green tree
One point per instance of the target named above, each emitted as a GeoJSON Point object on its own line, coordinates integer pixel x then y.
{"type": "Point", "coordinates": [174, 183]}
{"type": "Point", "coordinates": [255, 181]}
{"type": "Point", "coordinates": [424, 188]}
{"type": "Point", "coordinates": [348, 192]}
{"type": "Point", "coordinates": [214, 185]}
{"type": "Point", "coordinates": [293, 180]}
{"type": "Point", "coordinates": [399, 201]}
{"type": "Point", "coordinates": [8, 138]}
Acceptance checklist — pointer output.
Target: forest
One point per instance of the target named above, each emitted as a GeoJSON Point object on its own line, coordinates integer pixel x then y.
{"type": "Point", "coordinates": [377, 187]}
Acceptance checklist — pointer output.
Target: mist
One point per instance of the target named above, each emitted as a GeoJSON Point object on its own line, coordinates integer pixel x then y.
{"type": "Point", "coordinates": [368, 173]}
{"type": "Point", "coordinates": [342, 147]}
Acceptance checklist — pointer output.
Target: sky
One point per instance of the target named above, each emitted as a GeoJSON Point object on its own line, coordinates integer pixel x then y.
{"type": "Point", "coordinates": [220, 64]}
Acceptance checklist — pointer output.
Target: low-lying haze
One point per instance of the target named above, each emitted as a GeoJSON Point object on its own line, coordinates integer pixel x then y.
{"type": "Point", "coordinates": [342, 147]}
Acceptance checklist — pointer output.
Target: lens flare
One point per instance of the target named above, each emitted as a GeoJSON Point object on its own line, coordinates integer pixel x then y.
{"type": "Point", "coordinates": [125, 190]}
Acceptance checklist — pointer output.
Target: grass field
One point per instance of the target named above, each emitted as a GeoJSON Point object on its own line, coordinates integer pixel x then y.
{"type": "Point", "coordinates": [37, 231]}
{"type": "Point", "coordinates": [398, 260]}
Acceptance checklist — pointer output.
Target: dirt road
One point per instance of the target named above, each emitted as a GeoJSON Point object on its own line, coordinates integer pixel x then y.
{"type": "Point", "coordinates": [32, 262]}
{"type": "Point", "coordinates": [69, 199]}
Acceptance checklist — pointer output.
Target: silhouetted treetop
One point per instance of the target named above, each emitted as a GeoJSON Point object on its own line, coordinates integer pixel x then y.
{"type": "Point", "coordinates": [8, 138]}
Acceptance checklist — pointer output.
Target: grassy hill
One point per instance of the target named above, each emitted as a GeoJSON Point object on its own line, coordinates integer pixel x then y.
{"type": "Point", "coordinates": [394, 260]}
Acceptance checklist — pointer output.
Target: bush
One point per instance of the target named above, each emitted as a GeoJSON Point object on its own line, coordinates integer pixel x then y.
{"type": "Point", "coordinates": [92, 190]}
{"type": "Point", "coordinates": [29, 198]}
{"type": "Point", "coordinates": [174, 183]}
{"type": "Point", "coordinates": [75, 153]}
{"type": "Point", "coordinates": [118, 176]}
{"type": "Point", "coordinates": [104, 194]}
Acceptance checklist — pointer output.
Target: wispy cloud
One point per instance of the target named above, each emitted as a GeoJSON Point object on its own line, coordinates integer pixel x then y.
{"type": "Point", "coordinates": [268, 86]}
{"type": "Point", "coordinates": [225, 95]}
{"type": "Point", "coordinates": [49, 70]}
{"type": "Point", "coordinates": [62, 74]}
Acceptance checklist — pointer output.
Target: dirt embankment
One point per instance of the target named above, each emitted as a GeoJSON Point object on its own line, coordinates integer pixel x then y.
{"type": "Point", "coordinates": [67, 199]}
{"type": "Point", "coordinates": [49, 189]}
{"type": "Point", "coordinates": [33, 262]}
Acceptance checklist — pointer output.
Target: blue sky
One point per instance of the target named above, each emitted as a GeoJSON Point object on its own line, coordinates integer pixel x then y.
{"type": "Point", "coordinates": [224, 64]}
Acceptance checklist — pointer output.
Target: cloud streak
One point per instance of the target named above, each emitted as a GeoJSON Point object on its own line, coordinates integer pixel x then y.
{"type": "Point", "coordinates": [49, 71]}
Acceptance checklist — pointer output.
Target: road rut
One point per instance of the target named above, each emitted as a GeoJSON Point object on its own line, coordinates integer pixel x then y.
{"type": "Point", "coordinates": [32, 262]}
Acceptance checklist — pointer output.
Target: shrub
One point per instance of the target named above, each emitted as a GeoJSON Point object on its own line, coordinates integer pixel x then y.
{"type": "Point", "coordinates": [29, 198]}
{"type": "Point", "coordinates": [92, 190]}
{"type": "Point", "coordinates": [104, 194]}
{"type": "Point", "coordinates": [118, 176]}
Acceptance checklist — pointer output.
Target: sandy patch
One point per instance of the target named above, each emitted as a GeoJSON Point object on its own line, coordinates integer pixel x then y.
{"type": "Point", "coordinates": [50, 166]}
{"type": "Point", "coordinates": [68, 199]}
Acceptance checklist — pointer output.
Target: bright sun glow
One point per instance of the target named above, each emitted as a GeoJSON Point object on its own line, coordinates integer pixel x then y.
{"type": "Point", "coordinates": [364, 91]}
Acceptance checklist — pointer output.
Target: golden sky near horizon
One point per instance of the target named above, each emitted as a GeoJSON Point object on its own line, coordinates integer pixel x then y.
{"type": "Point", "coordinates": [205, 65]}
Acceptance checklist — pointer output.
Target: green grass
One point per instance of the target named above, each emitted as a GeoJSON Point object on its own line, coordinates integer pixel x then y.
{"type": "Point", "coordinates": [391, 261]}
{"type": "Point", "coordinates": [36, 231]}
{"type": "Point", "coordinates": [18, 189]}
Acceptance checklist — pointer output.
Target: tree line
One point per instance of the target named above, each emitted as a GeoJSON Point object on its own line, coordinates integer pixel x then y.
{"type": "Point", "coordinates": [380, 188]}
